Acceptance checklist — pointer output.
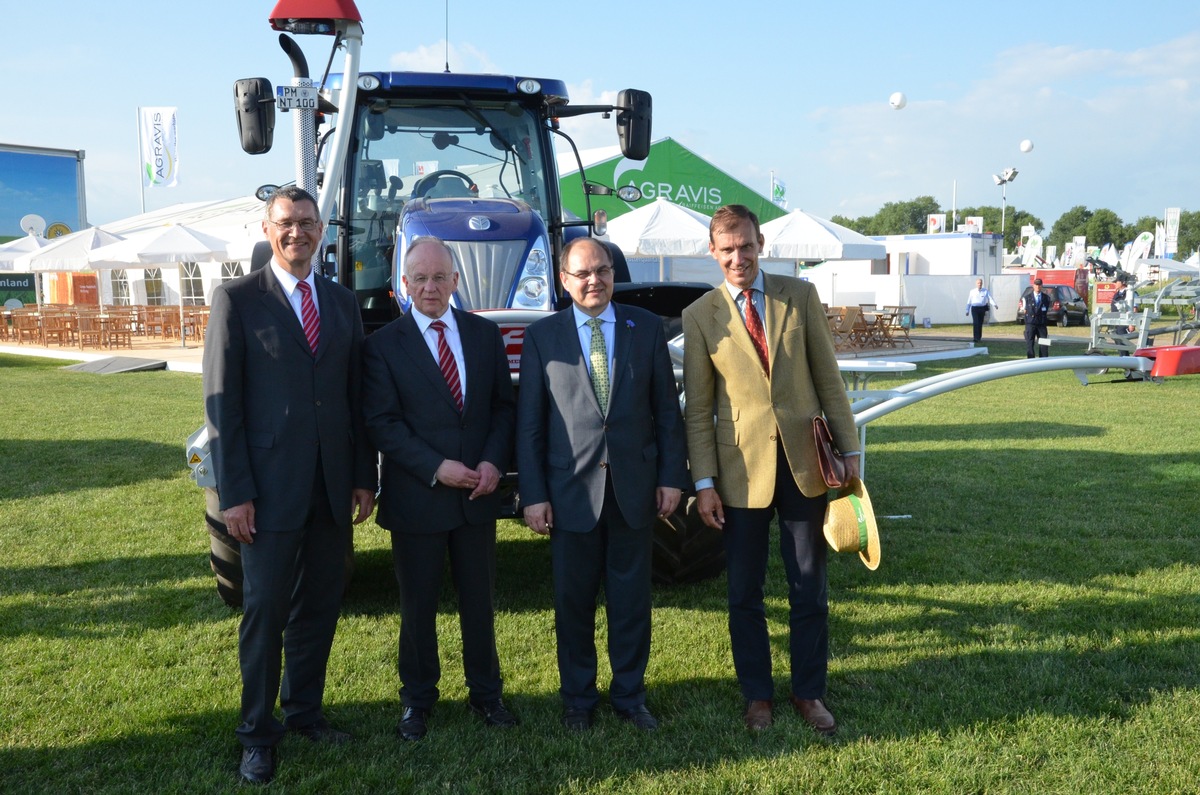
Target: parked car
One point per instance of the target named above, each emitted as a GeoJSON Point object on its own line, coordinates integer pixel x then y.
{"type": "Point", "coordinates": [1067, 307]}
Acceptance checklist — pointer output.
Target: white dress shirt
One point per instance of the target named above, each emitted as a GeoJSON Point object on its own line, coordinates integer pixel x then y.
{"type": "Point", "coordinates": [288, 282]}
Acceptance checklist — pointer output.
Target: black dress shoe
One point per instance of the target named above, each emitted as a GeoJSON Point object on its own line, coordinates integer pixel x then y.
{"type": "Point", "coordinates": [412, 723]}
{"type": "Point", "coordinates": [577, 719]}
{"type": "Point", "coordinates": [640, 717]}
{"type": "Point", "coordinates": [494, 713]}
{"type": "Point", "coordinates": [319, 731]}
{"type": "Point", "coordinates": [258, 764]}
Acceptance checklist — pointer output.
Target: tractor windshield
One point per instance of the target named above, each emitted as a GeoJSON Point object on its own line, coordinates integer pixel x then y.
{"type": "Point", "coordinates": [436, 150]}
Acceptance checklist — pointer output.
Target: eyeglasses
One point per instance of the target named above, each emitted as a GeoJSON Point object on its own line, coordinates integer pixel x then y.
{"type": "Point", "coordinates": [602, 273]}
{"type": "Point", "coordinates": [440, 280]}
{"type": "Point", "coordinates": [307, 225]}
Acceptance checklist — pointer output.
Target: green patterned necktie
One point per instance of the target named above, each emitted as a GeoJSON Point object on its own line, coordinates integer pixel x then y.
{"type": "Point", "coordinates": [599, 357]}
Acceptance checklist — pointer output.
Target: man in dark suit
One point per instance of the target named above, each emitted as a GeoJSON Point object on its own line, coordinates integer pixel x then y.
{"type": "Point", "coordinates": [282, 385]}
{"type": "Point", "coordinates": [1036, 307]}
{"type": "Point", "coordinates": [759, 366]}
{"type": "Point", "coordinates": [600, 453]}
{"type": "Point", "coordinates": [439, 406]}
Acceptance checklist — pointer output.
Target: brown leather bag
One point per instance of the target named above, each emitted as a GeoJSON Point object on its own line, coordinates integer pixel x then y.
{"type": "Point", "coordinates": [833, 468]}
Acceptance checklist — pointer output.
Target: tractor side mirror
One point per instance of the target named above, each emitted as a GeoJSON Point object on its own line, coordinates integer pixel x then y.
{"type": "Point", "coordinates": [254, 103]}
{"type": "Point", "coordinates": [633, 123]}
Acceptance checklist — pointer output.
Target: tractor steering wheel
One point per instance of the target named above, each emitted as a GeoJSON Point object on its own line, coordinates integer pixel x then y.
{"type": "Point", "coordinates": [426, 183]}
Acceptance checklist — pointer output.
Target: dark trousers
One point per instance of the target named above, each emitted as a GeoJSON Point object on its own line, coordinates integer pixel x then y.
{"type": "Point", "coordinates": [978, 315]}
{"type": "Point", "coordinates": [1034, 332]}
{"type": "Point", "coordinates": [619, 556]}
{"type": "Point", "coordinates": [292, 584]}
{"type": "Point", "coordinates": [419, 559]}
{"type": "Point", "coordinates": [802, 547]}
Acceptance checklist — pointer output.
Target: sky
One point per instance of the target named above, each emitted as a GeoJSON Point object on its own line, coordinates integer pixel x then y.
{"type": "Point", "coordinates": [1108, 92]}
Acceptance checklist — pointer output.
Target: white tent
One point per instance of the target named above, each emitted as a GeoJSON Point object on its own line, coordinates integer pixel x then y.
{"type": "Point", "coordinates": [801, 236]}
{"type": "Point", "coordinates": [1159, 269]}
{"type": "Point", "coordinates": [661, 229]}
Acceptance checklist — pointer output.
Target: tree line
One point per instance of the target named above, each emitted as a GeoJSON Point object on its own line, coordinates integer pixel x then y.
{"type": "Point", "coordinates": [1100, 226]}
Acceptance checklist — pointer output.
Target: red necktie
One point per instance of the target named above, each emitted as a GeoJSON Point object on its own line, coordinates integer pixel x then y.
{"type": "Point", "coordinates": [755, 327]}
{"type": "Point", "coordinates": [447, 364]}
{"type": "Point", "coordinates": [308, 316]}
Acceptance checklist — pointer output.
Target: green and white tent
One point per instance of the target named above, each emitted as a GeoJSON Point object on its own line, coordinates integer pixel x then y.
{"type": "Point", "coordinates": [671, 171]}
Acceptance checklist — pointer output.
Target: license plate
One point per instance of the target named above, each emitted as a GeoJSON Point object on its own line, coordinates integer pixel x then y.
{"type": "Point", "coordinates": [296, 97]}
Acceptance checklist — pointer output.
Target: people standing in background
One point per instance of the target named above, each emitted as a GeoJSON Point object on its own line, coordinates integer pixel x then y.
{"type": "Point", "coordinates": [1036, 305]}
{"type": "Point", "coordinates": [979, 301]}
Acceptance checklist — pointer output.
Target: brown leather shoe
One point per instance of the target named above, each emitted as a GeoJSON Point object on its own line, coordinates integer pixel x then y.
{"type": "Point", "coordinates": [758, 716]}
{"type": "Point", "coordinates": [814, 713]}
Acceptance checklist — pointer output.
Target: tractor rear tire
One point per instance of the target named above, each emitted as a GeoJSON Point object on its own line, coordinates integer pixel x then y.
{"type": "Point", "coordinates": [225, 553]}
{"type": "Point", "coordinates": [685, 549]}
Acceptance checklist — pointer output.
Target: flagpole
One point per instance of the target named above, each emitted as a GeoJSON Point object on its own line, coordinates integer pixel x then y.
{"type": "Point", "coordinates": [141, 177]}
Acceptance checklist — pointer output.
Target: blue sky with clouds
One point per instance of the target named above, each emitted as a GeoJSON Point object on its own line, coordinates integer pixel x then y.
{"type": "Point", "coordinates": [1109, 92]}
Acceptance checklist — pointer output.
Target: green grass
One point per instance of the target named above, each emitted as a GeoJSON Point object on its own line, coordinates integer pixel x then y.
{"type": "Point", "coordinates": [1033, 628]}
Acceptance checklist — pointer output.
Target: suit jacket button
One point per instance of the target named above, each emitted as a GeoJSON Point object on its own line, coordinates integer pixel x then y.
{"type": "Point", "coordinates": [318, 402]}
{"type": "Point", "coordinates": [604, 465]}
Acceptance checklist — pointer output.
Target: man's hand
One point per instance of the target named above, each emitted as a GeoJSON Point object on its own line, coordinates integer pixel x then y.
{"type": "Point", "coordinates": [489, 479]}
{"type": "Point", "coordinates": [539, 517]}
{"type": "Point", "coordinates": [239, 522]}
{"type": "Point", "coordinates": [712, 512]}
{"type": "Point", "coordinates": [363, 502]}
{"type": "Point", "coordinates": [457, 475]}
{"type": "Point", "coordinates": [668, 500]}
{"type": "Point", "coordinates": [852, 465]}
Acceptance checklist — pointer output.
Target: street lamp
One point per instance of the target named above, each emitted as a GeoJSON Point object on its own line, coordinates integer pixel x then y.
{"type": "Point", "coordinates": [1002, 180]}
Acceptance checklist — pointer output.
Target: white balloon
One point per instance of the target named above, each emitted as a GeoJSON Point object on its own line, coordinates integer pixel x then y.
{"type": "Point", "coordinates": [1026, 145]}
{"type": "Point", "coordinates": [897, 100]}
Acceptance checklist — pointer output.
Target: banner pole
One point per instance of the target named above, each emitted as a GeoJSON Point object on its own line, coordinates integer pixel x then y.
{"type": "Point", "coordinates": [141, 177]}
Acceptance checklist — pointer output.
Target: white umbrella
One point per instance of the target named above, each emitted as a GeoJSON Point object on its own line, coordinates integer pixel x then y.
{"type": "Point", "coordinates": [67, 253]}
{"type": "Point", "coordinates": [14, 248]}
{"type": "Point", "coordinates": [173, 245]}
{"type": "Point", "coordinates": [799, 235]}
{"type": "Point", "coordinates": [661, 229]}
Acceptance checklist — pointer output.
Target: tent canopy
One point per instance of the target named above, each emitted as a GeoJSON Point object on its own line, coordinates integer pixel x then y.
{"type": "Point", "coordinates": [799, 235]}
{"type": "Point", "coordinates": [67, 253]}
{"type": "Point", "coordinates": [661, 229]}
{"type": "Point", "coordinates": [15, 248]}
{"type": "Point", "coordinates": [166, 244]}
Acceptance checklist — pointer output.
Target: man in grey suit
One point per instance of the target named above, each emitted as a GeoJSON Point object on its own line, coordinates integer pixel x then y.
{"type": "Point", "coordinates": [439, 406]}
{"type": "Point", "coordinates": [600, 453]}
{"type": "Point", "coordinates": [282, 370]}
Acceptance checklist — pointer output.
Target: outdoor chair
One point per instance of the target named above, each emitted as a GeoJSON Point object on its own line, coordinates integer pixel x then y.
{"type": "Point", "coordinates": [120, 331]}
{"type": "Point", "coordinates": [27, 327]}
{"type": "Point", "coordinates": [90, 331]}
{"type": "Point", "coordinates": [900, 326]}
{"type": "Point", "coordinates": [57, 327]}
{"type": "Point", "coordinates": [843, 334]}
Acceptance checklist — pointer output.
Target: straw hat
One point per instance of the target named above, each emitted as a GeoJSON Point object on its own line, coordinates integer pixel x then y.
{"type": "Point", "coordinates": [850, 523]}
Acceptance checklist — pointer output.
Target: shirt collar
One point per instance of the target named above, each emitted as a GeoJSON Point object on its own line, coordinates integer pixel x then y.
{"type": "Point", "coordinates": [424, 321]}
{"type": "Point", "coordinates": [609, 315]}
{"type": "Point", "coordinates": [735, 292]}
{"type": "Point", "coordinates": [288, 281]}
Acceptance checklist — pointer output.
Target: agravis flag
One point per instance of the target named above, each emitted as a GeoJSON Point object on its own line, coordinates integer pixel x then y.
{"type": "Point", "coordinates": [159, 148]}
{"type": "Point", "coordinates": [778, 192]}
